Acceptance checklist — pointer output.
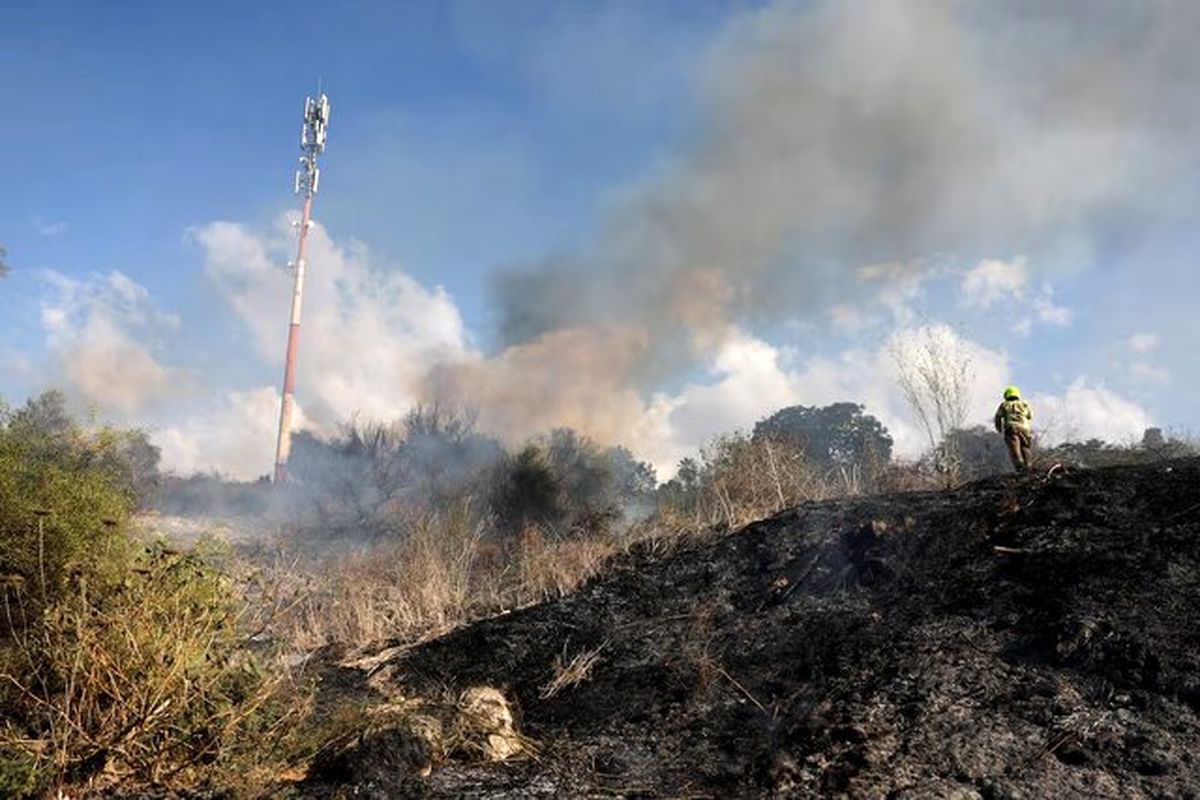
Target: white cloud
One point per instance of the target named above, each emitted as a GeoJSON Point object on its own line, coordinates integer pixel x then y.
{"type": "Point", "coordinates": [750, 379]}
{"type": "Point", "coordinates": [849, 319]}
{"type": "Point", "coordinates": [234, 437]}
{"type": "Point", "coordinates": [1087, 411]}
{"type": "Point", "coordinates": [1149, 373]}
{"type": "Point", "coordinates": [101, 332]}
{"type": "Point", "coordinates": [49, 229]}
{"type": "Point", "coordinates": [1142, 342]}
{"type": "Point", "coordinates": [899, 283]}
{"type": "Point", "coordinates": [993, 280]}
{"type": "Point", "coordinates": [1050, 312]}
{"type": "Point", "coordinates": [369, 334]}
{"type": "Point", "coordinates": [747, 380]}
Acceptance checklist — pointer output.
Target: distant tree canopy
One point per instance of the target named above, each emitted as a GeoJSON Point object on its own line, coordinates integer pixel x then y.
{"type": "Point", "coordinates": [430, 456]}
{"type": "Point", "coordinates": [981, 452]}
{"type": "Point", "coordinates": [834, 436]}
{"type": "Point", "coordinates": [434, 458]}
{"type": "Point", "coordinates": [564, 484]}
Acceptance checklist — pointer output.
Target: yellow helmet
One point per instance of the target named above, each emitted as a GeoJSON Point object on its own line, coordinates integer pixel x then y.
{"type": "Point", "coordinates": [1012, 393]}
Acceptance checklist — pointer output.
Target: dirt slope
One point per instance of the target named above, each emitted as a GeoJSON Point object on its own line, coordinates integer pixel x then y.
{"type": "Point", "coordinates": [1019, 637]}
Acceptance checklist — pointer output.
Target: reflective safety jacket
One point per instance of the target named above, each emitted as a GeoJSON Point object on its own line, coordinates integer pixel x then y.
{"type": "Point", "coordinates": [1014, 415]}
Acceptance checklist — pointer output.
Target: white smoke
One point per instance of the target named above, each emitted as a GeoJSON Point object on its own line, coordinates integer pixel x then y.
{"type": "Point", "coordinates": [97, 331]}
{"type": "Point", "coordinates": [232, 437]}
{"type": "Point", "coordinates": [368, 335]}
{"type": "Point", "coordinates": [1086, 411]}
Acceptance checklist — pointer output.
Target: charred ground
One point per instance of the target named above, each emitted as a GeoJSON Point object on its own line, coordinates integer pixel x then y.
{"type": "Point", "coordinates": [1027, 636]}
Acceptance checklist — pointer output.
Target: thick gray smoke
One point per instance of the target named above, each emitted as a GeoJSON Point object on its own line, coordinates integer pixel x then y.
{"type": "Point", "coordinates": [850, 146]}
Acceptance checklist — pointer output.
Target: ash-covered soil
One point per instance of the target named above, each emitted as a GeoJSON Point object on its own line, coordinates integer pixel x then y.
{"type": "Point", "coordinates": [1019, 637]}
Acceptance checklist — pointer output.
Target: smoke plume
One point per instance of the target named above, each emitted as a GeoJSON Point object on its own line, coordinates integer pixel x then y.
{"type": "Point", "coordinates": [850, 149]}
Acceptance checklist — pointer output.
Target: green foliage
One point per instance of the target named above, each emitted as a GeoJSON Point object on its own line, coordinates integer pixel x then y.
{"type": "Point", "coordinates": [566, 484]}
{"type": "Point", "coordinates": [65, 494]}
{"type": "Point", "coordinates": [838, 435]}
{"type": "Point", "coordinates": [117, 660]}
{"type": "Point", "coordinates": [19, 775]}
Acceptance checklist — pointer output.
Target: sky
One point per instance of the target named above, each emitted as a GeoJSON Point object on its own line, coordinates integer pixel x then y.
{"type": "Point", "coordinates": [651, 221]}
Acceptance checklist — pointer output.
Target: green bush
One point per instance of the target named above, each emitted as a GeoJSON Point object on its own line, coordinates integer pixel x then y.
{"type": "Point", "coordinates": [65, 495]}
{"type": "Point", "coordinates": [120, 661]}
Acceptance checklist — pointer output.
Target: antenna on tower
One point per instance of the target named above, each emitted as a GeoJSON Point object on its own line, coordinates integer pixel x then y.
{"type": "Point", "coordinates": [313, 134]}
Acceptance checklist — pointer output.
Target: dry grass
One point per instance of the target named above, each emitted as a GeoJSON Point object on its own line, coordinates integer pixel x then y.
{"type": "Point", "coordinates": [412, 588]}
{"type": "Point", "coordinates": [551, 569]}
{"type": "Point", "coordinates": [443, 573]}
{"type": "Point", "coordinates": [570, 672]}
{"type": "Point", "coordinates": [150, 681]}
{"type": "Point", "coordinates": [443, 570]}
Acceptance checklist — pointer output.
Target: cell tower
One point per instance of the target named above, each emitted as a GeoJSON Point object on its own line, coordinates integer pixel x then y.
{"type": "Point", "coordinates": [308, 179]}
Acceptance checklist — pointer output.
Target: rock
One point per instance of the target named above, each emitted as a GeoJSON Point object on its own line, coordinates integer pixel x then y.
{"type": "Point", "coordinates": [485, 724]}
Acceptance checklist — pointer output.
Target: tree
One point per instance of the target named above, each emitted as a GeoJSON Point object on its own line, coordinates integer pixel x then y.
{"type": "Point", "coordinates": [934, 368]}
{"type": "Point", "coordinates": [567, 484]}
{"type": "Point", "coordinates": [635, 480]}
{"type": "Point", "coordinates": [838, 435]}
{"type": "Point", "coordinates": [45, 430]}
{"type": "Point", "coordinates": [980, 452]}
{"type": "Point", "coordinates": [425, 460]}
{"type": "Point", "coordinates": [4, 270]}
{"type": "Point", "coordinates": [526, 491]}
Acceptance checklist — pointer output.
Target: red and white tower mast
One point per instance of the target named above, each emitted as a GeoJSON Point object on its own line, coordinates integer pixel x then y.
{"type": "Point", "coordinates": [308, 179]}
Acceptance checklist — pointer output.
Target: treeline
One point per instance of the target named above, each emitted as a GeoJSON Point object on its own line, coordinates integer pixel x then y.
{"type": "Point", "coordinates": [372, 478]}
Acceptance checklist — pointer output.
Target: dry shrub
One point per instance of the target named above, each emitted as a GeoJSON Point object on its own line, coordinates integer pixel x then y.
{"type": "Point", "coordinates": [147, 681]}
{"type": "Point", "coordinates": [442, 574]}
{"type": "Point", "coordinates": [699, 654]}
{"type": "Point", "coordinates": [935, 372]}
{"type": "Point", "coordinates": [744, 478]}
{"type": "Point", "coordinates": [412, 587]}
{"type": "Point", "coordinates": [548, 568]}
{"type": "Point", "coordinates": [570, 672]}
{"type": "Point", "coordinates": [911, 477]}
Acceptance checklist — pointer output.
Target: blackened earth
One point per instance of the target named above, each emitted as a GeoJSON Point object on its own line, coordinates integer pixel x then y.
{"type": "Point", "coordinates": [1019, 637]}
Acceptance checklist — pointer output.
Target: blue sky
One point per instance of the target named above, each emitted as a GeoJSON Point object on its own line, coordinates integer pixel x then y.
{"type": "Point", "coordinates": [475, 139]}
{"type": "Point", "coordinates": [139, 120]}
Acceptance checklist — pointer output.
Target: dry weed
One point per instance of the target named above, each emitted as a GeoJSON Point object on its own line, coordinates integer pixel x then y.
{"type": "Point", "coordinates": [571, 672]}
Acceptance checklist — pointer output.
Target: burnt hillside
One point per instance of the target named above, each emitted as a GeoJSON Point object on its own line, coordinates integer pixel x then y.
{"type": "Point", "coordinates": [1018, 637]}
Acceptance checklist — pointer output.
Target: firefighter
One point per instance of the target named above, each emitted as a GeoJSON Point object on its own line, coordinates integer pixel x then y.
{"type": "Point", "coordinates": [1014, 421]}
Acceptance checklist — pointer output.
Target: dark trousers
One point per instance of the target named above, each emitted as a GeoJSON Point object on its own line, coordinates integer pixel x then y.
{"type": "Point", "coordinates": [1020, 448]}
